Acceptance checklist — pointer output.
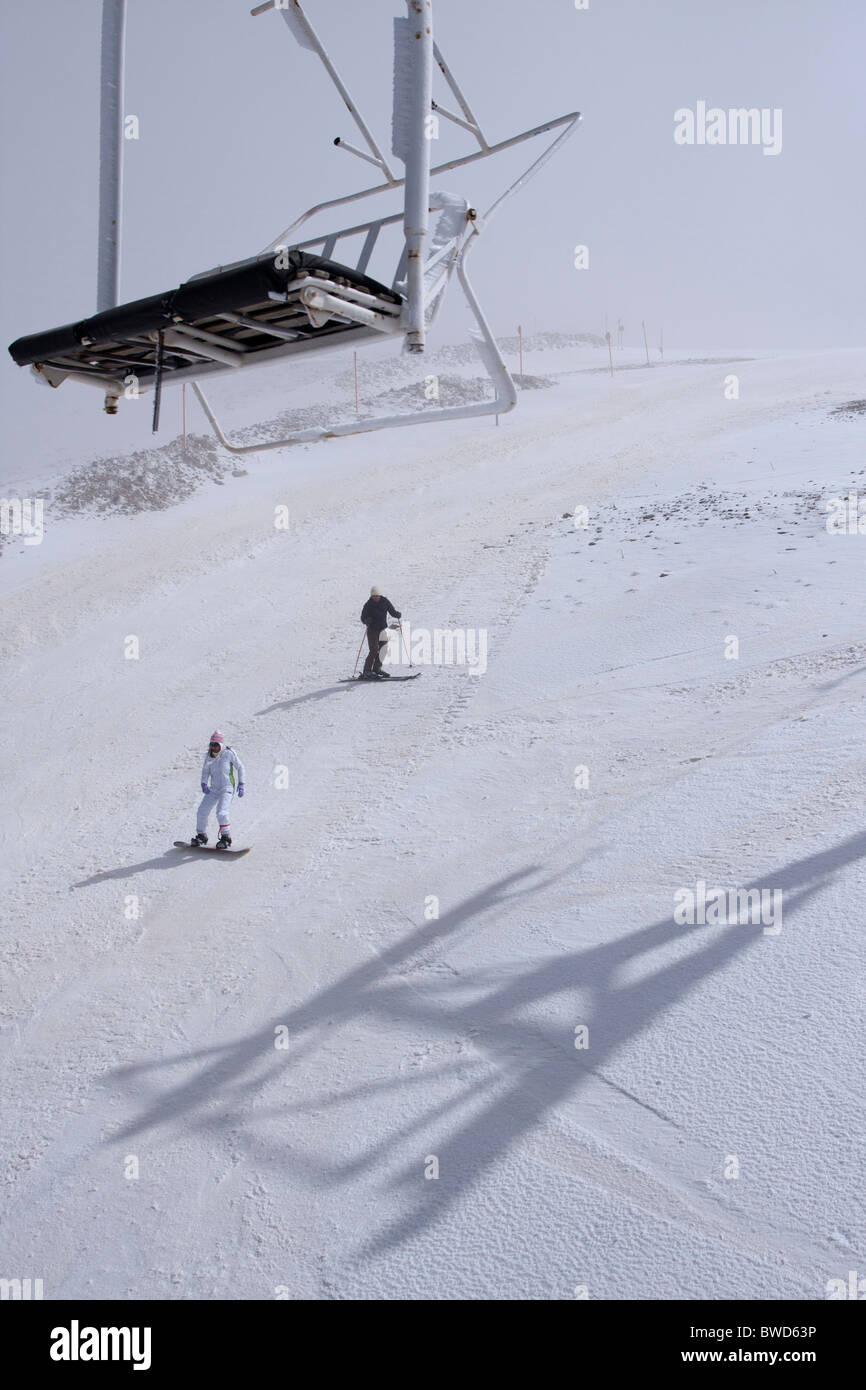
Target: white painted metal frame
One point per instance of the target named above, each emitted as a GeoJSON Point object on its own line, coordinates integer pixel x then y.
{"type": "Point", "coordinates": [110, 153]}
{"type": "Point", "coordinates": [505, 398]}
{"type": "Point", "coordinates": [424, 288]}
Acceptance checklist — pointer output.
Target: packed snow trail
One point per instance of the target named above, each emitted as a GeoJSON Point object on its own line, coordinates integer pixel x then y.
{"type": "Point", "coordinates": [148, 993]}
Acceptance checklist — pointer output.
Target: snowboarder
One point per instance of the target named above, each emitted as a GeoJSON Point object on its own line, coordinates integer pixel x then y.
{"type": "Point", "coordinates": [374, 616]}
{"type": "Point", "coordinates": [222, 774]}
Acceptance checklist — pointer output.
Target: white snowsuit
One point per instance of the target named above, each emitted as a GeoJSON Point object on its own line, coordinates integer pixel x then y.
{"type": "Point", "coordinates": [222, 774]}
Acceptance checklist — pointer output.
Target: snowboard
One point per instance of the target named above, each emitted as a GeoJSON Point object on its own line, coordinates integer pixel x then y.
{"type": "Point", "coordinates": [184, 844]}
{"type": "Point", "coordinates": [345, 680]}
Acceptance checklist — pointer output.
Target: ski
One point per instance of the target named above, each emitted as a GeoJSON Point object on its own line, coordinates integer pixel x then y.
{"type": "Point", "coordinates": [212, 849]}
{"type": "Point", "coordinates": [346, 680]}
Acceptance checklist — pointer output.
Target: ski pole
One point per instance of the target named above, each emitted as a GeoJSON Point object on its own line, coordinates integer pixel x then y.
{"type": "Point", "coordinates": [358, 657]}
{"type": "Point", "coordinates": [403, 640]}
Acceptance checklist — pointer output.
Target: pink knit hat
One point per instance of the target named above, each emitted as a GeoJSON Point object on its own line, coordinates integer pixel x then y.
{"type": "Point", "coordinates": [216, 737]}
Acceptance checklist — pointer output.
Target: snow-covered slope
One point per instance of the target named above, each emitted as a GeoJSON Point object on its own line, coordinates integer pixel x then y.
{"type": "Point", "coordinates": [147, 993]}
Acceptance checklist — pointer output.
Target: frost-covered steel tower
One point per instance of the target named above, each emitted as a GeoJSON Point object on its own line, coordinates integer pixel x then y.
{"type": "Point", "coordinates": [110, 153]}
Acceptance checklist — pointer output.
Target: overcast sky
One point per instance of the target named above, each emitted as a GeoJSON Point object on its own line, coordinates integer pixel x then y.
{"type": "Point", "coordinates": [724, 245]}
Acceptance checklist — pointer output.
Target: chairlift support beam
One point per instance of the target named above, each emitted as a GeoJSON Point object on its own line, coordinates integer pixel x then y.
{"type": "Point", "coordinates": [307, 37]}
{"type": "Point", "coordinates": [262, 326]}
{"type": "Point", "coordinates": [413, 97]}
{"type": "Point", "coordinates": [457, 120]}
{"type": "Point", "coordinates": [352, 149]}
{"type": "Point", "coordinates": [110, 153]}
{"type": "Point", "coordinates": [570, 121]}
{"type": "Point", "coordinates": [469, 117]}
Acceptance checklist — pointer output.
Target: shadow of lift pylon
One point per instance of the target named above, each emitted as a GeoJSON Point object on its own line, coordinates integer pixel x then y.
{"type": "Point", "coordinates": [294, 297]}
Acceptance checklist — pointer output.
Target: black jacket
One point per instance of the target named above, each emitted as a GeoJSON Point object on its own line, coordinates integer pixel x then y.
{"type": "Point", "coordinates": [375, 612]}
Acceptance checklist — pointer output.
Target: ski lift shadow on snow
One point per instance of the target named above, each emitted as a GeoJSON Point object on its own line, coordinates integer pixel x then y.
{"type": "Point", "coordinates": [297, 296]}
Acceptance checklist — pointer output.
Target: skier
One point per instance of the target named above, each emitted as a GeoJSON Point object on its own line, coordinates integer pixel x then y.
{"type": "Point", "coordinates": [218, 786]}
{"type": "Point", "coordinates": [374, 616]}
